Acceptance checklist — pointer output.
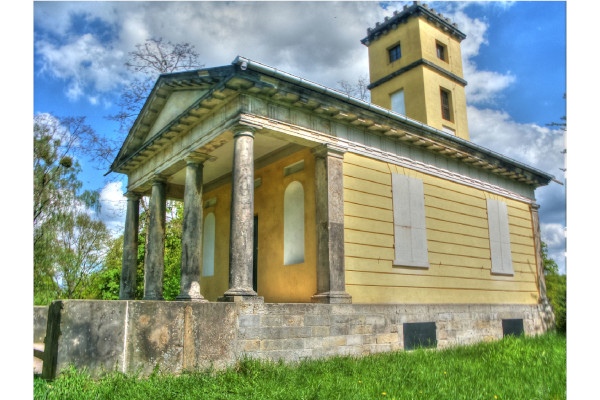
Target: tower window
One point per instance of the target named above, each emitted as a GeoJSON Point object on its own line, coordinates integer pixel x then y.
{"type": "Point", "coordinates": [440, 51]}
{"type": "Point", "coordinates": [445, 98]}
{"type": "Point", "coordinates": [394, 52]}
{"type": "Point", "coordinates": [398, 102]}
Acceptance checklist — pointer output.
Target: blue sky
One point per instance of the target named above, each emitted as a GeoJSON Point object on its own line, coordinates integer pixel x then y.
{"type": "Point", "coordinates": [514, 62]}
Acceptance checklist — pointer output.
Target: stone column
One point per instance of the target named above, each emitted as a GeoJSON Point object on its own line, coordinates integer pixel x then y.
{"type": "Point", "coordinates": [329, 193]}
{"type": "Point", "coordinates": [191, 240]}
{"type": "Point", "coordinates": [130, 248]}
{"type": "Point", "coordinates": [155, 246]}
{"type": "Point", "coordinates": [537, 238]}
{"type": "Point", "coordinates": [241, 239]}
{"type": "Point", "coordinates": [546, 308]}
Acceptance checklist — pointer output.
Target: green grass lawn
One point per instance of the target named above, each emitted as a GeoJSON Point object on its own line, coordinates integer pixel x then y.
{"type": "Point", "coordinates": [512, 368]}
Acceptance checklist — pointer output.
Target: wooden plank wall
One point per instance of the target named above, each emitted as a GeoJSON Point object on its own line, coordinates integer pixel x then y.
{"type": "Point", "coordinates": [457, 239]}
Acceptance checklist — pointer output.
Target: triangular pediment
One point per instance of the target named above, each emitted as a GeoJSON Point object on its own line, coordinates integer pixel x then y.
{"type": "Point", "coordinates": [177, 101]}
{"type": "Point", "coordinates": [170, 97]}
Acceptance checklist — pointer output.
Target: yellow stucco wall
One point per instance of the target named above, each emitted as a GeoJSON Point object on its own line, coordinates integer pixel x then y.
{"type": "Point", "coordinates": [457, 239]}
{"type": "Point", "coordinates": [213, 287]}
{"type": "Point", "coordinates": [408, 36]}
{"type": "Point", "coordinates": [276, 282]}
{"type": "Point", "coordinates": [422, 84]}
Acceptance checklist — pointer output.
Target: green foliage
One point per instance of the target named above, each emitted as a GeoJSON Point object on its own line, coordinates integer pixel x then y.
{"type": "Point", "coordinates": [106, 282]}
{"type": "Point", "coordinates": [512, 368]}
{"type": "Point", "coordinates": [173, 233]}
{"type": "Point", "coordinates": [550, 266]}
{"type": "Point", "coordinates": [556, 290]}
{"type": "Point", "coordinates": [68, 244]}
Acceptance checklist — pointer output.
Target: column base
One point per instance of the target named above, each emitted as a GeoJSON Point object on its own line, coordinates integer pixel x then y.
{"type": "Point", "coordinates": [185, 297]}
{"type": "Point", "coordinates": [153, 295]}
{"type": "Point", "coordinates": [332, 298]}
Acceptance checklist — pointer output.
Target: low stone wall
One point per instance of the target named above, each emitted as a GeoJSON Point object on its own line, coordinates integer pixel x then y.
{"type": "Point", "coordinates": [137, 336]}
{"type": "Point", "coordinates": [40, 320]}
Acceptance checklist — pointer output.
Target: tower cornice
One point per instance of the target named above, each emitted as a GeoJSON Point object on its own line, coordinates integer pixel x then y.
{"type": "Point", "coordinates": [415, 10]}
{"type": "Point", "coordinates": [421, 62]}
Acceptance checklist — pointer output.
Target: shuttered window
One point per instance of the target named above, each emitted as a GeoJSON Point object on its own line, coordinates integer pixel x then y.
{"type": "Point", "coordinates": [398, 102]}
{"type": "Point", "coordinates": [293, 224]}
{"type": "Point", "coordinates": [410, 234]}
{"type": "Point", "coordinates": [499, 237]}
{"type": "Point", "coordinates": [445, 99]}
{"type": "Point", "coordinates": [208, 245]}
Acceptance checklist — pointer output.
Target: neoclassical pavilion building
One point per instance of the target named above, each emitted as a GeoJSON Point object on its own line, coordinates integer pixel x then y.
{"type": "Point", "coordinates": [295, 192]}
{"type": "Point", "coordinates": [316, 224]}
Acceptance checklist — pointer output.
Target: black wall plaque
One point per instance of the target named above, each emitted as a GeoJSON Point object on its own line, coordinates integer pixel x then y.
{"type": "Point", "coordinates": [419, 334]}
{"type": "Point", "coordinates": [512, 327]}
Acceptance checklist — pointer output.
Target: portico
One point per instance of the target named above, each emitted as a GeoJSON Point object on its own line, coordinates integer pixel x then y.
{"type": "Point", "coordinates": [188, 183]}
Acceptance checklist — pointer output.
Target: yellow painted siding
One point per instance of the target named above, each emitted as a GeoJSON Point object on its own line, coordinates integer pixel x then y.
{"type": "Point", "coordinates": [457, 240]}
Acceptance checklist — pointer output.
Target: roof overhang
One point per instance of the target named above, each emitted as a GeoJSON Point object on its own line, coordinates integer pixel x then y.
{"type": "Point", "coordinates": [245, 76]}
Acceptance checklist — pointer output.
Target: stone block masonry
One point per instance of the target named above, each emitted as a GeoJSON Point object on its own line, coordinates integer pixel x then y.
{"type": "Point", "coordinates": [137, 336]}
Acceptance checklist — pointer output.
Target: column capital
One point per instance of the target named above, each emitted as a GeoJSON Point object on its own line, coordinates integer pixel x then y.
{"type": "Point", "coordinates": [196, 158]}
{"type": "Point", "coordinates": [243, 130]}
{"type": "Point", "coordinates": [159, 179]}
{"type": "Point", "coordinates": [535, 206]}
{"type": "Point", "coordinates": [132, 195]}
{"type": "Point", "coordinates": [330, 150]}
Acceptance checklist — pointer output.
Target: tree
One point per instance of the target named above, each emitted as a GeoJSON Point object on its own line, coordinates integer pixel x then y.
{"type": "Point", "coordinates": [82, 244]}
{"type": "Point", "coordinates": [147, 62]}
{"type": "Point", "coordinates": [105, 283]}
{"type": "Point", "coordinates": [360, 89]}
{"type": "Point", "coordinates": [550, 266]}
{"type": "Point", "coordinates": [556, 290]}
{"type": "Point", "coordinates": [59, 204]}
{"type": "Point", "coordinates": [56, 144]}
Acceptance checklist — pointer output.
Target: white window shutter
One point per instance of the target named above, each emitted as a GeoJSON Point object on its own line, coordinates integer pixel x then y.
{"type": "Point", "coordinates": [208, 245]}
{"type": "Point", "coordinates": [499, 237]}
{"type": "Point", "coordinates": [410, 234]}
{"type": "Point", "coordinates": [293, 224]}
{"type": "Point", "coordinates": [398, 104]}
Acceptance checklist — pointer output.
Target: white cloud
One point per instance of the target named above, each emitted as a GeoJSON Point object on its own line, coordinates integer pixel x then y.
{"type": "Point", "coordinates": [319, 41]}
{"type": "Point", "coordinates": [84, 63]}
{"type": "Point", "coordinates": [113, 207]}
{"type": "Point", "coordinates": [483, 86]}
{"type": "Point", "coordinates": [554, 235]}
{"type": "Point", "coordinates": [537, 146]}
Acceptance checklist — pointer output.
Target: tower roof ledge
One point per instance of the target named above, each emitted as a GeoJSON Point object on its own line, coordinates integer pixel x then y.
{"type": "Point", "coordinates": [415, 10]}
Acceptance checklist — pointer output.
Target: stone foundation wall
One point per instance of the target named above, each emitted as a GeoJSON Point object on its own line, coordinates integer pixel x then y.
{"type": "Point", "coordinates": [40, 320]}
{"type": "Point", "coordinates": [137, 336]}
{"type": "Point", "coordinates": [296, 331]}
